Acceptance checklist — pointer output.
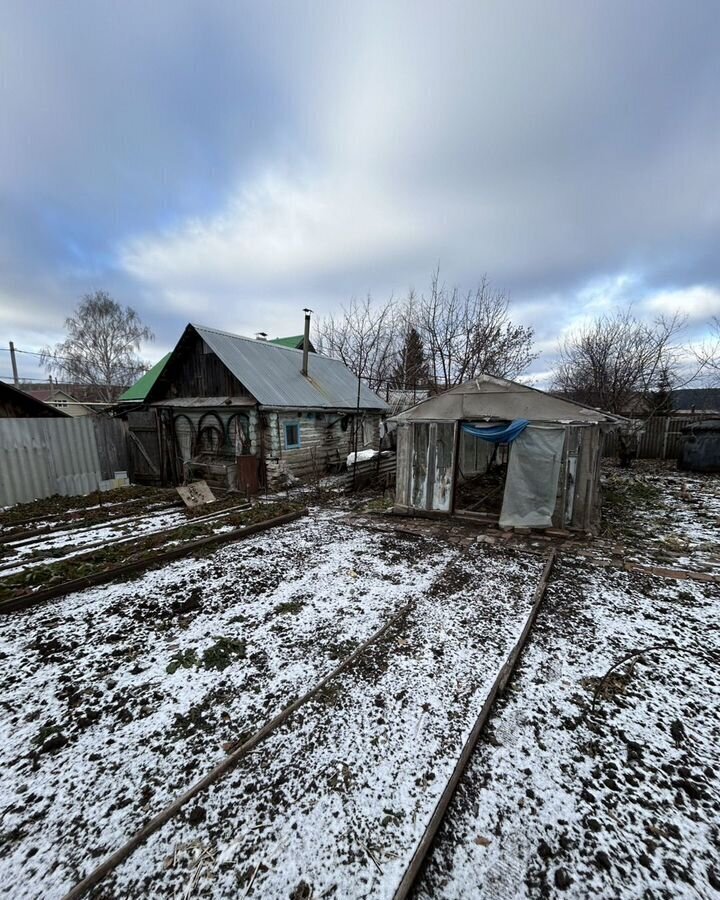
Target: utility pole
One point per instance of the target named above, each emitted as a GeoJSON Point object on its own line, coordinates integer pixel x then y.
{"type": "Point", "coordinates": [13, 361]}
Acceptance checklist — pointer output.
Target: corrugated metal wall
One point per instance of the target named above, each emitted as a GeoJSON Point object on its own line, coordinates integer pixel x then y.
{"type": "Point", "coordinates": [42, 457]}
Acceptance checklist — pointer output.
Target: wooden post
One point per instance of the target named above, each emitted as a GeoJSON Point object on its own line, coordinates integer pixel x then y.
{"type": "Point", "coordinates": [13, 362]}
{"type": "Point", "coordinates": [456, 463]}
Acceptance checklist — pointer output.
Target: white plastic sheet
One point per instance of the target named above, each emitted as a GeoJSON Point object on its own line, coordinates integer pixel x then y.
{"type": "Point", "coordinates": [532, 478]}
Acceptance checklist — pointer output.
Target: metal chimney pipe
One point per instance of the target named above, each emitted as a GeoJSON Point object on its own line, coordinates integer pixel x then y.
{"type": "Point", "coordinates": [306, 342]}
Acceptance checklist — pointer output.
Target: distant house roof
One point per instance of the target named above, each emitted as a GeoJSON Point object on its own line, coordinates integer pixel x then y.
{"type": "Point", "coordinates": [294, 343]}
{"type": "Point", "coordinates": [491, 398]}
{"type": "Point", "coordinates": [273, 374]}
{"type": "Point", "coordinates": [700, 399]}
{"type": "Point", "coordinates": [57, 397]}
{"type": "Point", "coordinates": [18, 404]}
{"type": "Point", "coordinates": [141, 388]}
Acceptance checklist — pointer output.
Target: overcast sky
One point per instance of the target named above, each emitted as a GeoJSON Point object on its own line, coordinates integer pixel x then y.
{"type": "Point", "coordinates": [230, 163]}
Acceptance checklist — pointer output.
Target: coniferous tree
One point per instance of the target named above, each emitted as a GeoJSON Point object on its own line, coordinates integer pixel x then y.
{"type": "Point", "coordinates": [412, 372]}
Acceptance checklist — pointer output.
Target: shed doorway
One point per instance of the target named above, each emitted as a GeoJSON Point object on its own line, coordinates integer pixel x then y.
{"type": "Point", "coordinates": [509, 472]}
{"type": "Point", "coordinates": [481, 475]}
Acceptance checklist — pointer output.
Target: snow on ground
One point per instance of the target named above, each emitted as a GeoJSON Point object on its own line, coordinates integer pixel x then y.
{"type": "Point", "coordinates": [334, 803]}
{"type": "Point", "coordinates": [117, 698]}
{"type": "Point", "coordinates": [659, 515]}
{"type": "Point", "coordinates": [622, 802]}
{"type": "Point", "coordinates": [28, 552]}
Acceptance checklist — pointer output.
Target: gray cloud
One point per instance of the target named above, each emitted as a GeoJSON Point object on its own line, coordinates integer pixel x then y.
{"type": "Point", "coordinates": [233, 162]}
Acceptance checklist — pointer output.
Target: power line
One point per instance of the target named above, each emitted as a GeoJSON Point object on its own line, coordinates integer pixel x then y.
{"type": "Point", "coordinates": [48, 356]}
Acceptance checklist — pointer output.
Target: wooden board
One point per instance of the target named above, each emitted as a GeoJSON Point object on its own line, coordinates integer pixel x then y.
{"type": "Point", "coordinates": [196, 494]}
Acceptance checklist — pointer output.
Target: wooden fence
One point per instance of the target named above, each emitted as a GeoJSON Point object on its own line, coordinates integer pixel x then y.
{"type": "Point", "coordinates": [660, 437]}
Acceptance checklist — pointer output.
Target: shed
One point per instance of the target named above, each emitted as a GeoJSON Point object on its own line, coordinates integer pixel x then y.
{"type": "Point", "coordinates": [496, 450]}
{"type": "Point", "coordinates": [243, 411]}
{"type": "Point", "coordinates": [700, 447]}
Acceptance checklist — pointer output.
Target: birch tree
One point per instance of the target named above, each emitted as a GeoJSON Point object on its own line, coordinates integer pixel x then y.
{"type": "Point", "coordinates": [467, 334]}
{"type": "Point", "coordinates": [365, 337]}
{"type": "Point", "coordinates": [101, 347]}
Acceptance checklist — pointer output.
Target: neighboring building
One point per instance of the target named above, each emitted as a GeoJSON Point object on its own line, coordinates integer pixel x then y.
{"type": "Point", "coordinates": [400, 399]}
{"type": "Point", "coordinates": [501, 451]}
{"type": "Point", "coordinates": [60, 399]}
{"type": "Point", "coordinates": [16, 404]}
{"type": "Point", "coordinates": [241, 411]}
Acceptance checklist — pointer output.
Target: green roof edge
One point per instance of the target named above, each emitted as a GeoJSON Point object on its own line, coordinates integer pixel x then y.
{"type": "Point", "coordinates": [291, 342]}
{"type": "Point", "coordinates": [141, 388]}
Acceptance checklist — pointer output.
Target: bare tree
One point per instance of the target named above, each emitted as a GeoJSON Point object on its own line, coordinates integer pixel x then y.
{"type": "Point", "coordinates": [365, 337]}
{"type": "Point", "coordinates": [101, 346]}
{"type": "Point", "coordinates": [708, 354]}
{"type": "Point", "coordinates": [468, 334]}
{"type": "Point", "coordinates": [439, 340]}
{"type": "Point", "coordinates": [619, 363]}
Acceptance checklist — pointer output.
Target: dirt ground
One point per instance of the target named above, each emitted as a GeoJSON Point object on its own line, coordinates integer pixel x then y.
{"type": "Point", "coordinates": [597, 776]}
{"type": "Point", "coordinates": [600, 773]}
{"type": "Point", "coordinates": [130, 692]}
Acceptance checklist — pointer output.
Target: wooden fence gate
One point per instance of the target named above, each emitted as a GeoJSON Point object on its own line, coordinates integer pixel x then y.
{"type": "Point", "coordinates": [144, 454]}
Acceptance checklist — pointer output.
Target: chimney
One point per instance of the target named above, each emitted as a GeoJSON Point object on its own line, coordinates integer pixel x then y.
{"type": "Point", "coordinates": [306, 342]}
{"type": "Point", "coordinates": [261, 336]}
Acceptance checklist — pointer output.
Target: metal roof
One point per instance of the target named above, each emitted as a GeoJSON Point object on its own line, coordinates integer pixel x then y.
{"type": "Point", "coordinates": [141, 388]}
{"type": "Point", "coordinates": [487, 397]}
{"type": "Point", "coordinates": [696, 398]}
{"type": "Point", "coordinates": [273, 374]}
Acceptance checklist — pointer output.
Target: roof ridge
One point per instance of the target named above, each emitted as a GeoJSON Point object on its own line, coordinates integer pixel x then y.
{"type": "Point", "coordinates": [244, 337]}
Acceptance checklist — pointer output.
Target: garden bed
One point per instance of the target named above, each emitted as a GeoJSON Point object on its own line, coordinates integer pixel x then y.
{"type": "Point", "coordinates": [50, 579]}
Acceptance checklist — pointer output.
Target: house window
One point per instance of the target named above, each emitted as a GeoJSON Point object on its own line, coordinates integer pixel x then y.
{"type": "Point", "coordinates": [292, 435]}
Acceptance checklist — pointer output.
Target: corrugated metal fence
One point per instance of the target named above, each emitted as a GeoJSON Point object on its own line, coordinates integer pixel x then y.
{"type": "Point", "coordinates": [42, 457]}
{"type": "Point", "coordinates": [660, 437]}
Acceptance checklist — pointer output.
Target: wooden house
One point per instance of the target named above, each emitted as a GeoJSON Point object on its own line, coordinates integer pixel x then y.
{"type": "Point", "coordinates": [62, 400]}
{"type": "Point", "coordinates": [241, 412]}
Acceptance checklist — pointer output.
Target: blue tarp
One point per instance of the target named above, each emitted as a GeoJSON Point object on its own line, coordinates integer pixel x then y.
{"type": "Point", "coordinates": [498, 434]}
